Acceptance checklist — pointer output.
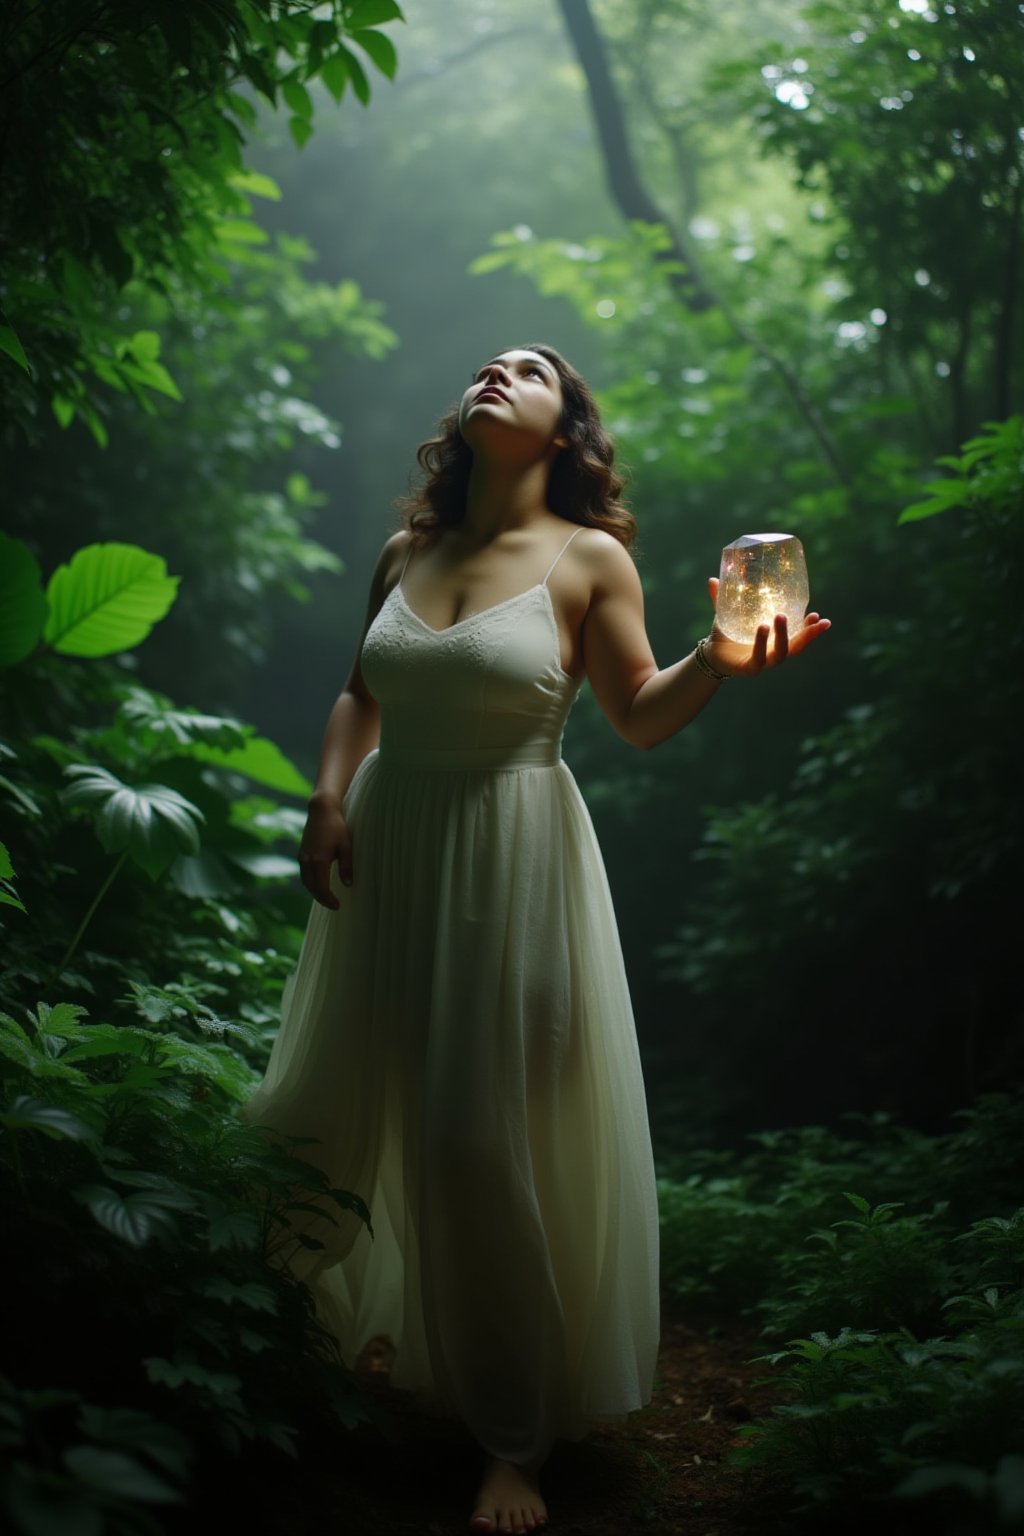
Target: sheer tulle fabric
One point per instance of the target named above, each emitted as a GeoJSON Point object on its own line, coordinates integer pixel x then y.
{"type": "Point", "coordinates": [458, 1036]}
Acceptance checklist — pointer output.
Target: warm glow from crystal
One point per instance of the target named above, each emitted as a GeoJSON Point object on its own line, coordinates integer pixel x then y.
{"type": "Point", "coordinates": [762, 574]}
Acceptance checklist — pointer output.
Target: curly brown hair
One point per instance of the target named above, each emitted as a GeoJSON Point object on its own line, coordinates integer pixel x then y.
{"type": "Point", "coordinates": [583, 487]}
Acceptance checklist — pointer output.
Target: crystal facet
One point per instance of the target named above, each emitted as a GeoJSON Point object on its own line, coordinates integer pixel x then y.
{"type": "Point", "coordinates": [762, 574]}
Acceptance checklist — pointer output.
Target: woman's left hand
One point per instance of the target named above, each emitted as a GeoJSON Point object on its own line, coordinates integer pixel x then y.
{"type": "Point", "coordinates": [739, 659]}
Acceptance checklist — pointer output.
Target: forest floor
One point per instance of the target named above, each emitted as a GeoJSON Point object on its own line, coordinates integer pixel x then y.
{"type": "Point", "coordinates": [660, 1471]}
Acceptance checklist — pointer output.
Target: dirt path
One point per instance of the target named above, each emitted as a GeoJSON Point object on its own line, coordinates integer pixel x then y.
{"type": "Point", "coordinates": [660, 1471]}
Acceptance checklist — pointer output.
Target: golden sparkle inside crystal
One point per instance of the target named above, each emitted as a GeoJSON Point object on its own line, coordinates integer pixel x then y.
{"type": "Point", "coordinates": [762, 574]}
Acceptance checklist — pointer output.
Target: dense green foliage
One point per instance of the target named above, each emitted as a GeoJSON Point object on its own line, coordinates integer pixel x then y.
{"type": "Point", "coordinates": [158, 310]}
{"type": "Point", "coordinates": [852, 884]}
{"type": "Point", "coordinates": [158, 1326]}
{"type": "Point", "coordinates": [901, 1310]}
{"type": "Point", "coordinates": [121, 1145]}
{"type": "Point", "coordinates": [815, 886]}
{"type": "Point", "coordinates": [122, 138]}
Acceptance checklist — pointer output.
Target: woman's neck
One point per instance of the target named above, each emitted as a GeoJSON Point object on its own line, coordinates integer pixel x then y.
{"type": "Point", "coordinates": [503, 496]}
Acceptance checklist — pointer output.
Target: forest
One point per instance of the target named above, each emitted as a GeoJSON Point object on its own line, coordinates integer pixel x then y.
{"type": "Point", "coordinates": [252, 250]}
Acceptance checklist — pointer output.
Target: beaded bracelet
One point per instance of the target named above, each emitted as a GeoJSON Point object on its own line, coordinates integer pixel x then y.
{"type": "Point", "coordinates": [705, 665]}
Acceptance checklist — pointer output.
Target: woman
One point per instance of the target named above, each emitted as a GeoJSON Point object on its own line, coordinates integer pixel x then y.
{"type": "Point", "coordinates": [458, 1036]}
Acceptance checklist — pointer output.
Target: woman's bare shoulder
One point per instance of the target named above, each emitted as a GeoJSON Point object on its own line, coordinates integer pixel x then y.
{"type": "Point", "coordinates": [607, 561]}
{"type": "Point", "coordinates": [391, 558]}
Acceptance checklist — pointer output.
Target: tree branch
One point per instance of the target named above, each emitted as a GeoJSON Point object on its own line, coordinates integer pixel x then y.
{"type": "Point", "coordinates": [486, 40]}
{"type": "Point", "coordinates": [635, 202]}
{"type": "Point", "coordinates": [629, 192]}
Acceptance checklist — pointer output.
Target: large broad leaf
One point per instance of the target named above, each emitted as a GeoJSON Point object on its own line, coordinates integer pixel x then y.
{"type": "Point", "coordinates": [28, 1114]}
{"type": "Point", "coordinates": [152, 822]}
{"type": "Point", "coordinates": [134, 1218]}
{"type": "Point", "coordinates": [154, 715]}
{"type": "Point", "coordinates": [204, 875]}
{"type": "Point", "coordinates": [22, 601]}
{"type": "Point", "coordinates": [259, 759]}
{"type": "Point", "coordinates": [265, 866]}
{"type": "Point", "coordinates": [107, 599]}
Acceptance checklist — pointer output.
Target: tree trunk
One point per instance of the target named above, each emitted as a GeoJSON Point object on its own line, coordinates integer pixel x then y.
{"type": "Point", "coordinates": [635, 202]}
{"type": "Point", "coordinates": [629, 192]}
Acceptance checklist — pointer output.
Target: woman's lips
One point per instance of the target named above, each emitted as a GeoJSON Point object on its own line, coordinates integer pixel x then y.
{"type": "Point", "coordinates": [491, 392]}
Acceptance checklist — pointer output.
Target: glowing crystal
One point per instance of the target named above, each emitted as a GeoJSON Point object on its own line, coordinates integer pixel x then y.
{"type": "Point", "coordinates": [762, 574]}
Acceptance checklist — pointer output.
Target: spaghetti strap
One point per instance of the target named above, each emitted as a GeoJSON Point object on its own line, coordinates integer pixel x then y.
{"type": "Point", "coordinates": [561, 552]}
{"type": "Point", "coordinates": [408, 557]}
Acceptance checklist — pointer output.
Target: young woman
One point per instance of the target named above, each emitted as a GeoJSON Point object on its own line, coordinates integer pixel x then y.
{"type": "Point", "coordinates": [458, 1035]}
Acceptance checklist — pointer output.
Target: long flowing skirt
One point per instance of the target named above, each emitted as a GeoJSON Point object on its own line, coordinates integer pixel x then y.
{"type": "Point", "coordinates": [459, 1038]}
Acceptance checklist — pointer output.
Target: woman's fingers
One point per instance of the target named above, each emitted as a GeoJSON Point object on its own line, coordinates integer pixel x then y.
{"type": "Point", "coordinates": [316, 877]}
{"type": "Point", "coordinates": [813, 628]}
{"type": "Point", "coordinates": [345, 863]}
{"type": "Point", "coordinates": [326, 841]}
{"type": "Point", "coordinates": [781, 650]}
{"type": "Point", "coordinates": [713, 590]}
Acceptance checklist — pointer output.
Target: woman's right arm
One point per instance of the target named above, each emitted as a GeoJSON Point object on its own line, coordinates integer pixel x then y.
{"type": "Point", "coordinates": [353, 730]}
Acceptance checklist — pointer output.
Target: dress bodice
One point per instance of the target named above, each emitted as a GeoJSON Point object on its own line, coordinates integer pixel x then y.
{"type": "Point", "coordinates": [488, 691]}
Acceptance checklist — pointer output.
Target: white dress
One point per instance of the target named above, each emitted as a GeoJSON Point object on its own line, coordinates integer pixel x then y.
{"type": "Point", "coordinates": [459, 1037]}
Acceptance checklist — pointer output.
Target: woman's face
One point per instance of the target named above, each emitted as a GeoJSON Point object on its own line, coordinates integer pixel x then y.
{"type": "Point", "coordinates": [518, 392]}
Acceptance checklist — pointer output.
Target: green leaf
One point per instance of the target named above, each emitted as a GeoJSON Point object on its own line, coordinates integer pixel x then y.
{"type": "Point", "coordinates": [10, 344]}
{"type": "Point", "coordinates": [257, 184]}
{"type": "Point", "coordinates": [381, 50]}
{"type": "Point", "coordinates": [151, 822]}
{"type": "Point", "coordinates": [243, 108]}
{"type": "Point", "coordinates": [334, 74]}
{"type": "Point", "coordinates": [118, 1475]}
{"type": "Point", "coordinates": [92, 420]}
{"type": "Point", "coordinates": [62, 1019]}
{"type": "Point", "coordinates": [204, 875]}
{"type": "Point", "coordinates": [133, 1218]}
{"type": "Point", "coordinates": [109, 1040]}
{"type": "Point", "coordinates": [151, 715]}
{"type": "Point", "coordinates": [153, 376]}
{"type": "Point", "coordinates": [260, 760]}
{"type": "Point", "coordinates": [232, 1229]}
{"type": "Point", "coordinates": [265, 866]}
{"type": "Point", "coordinates": [301, 130]}
{"type": "Point", "coordinates": [298, 98]}
{"type": "Point", "coordinates": [64, 410]}
{"type": "Point", "coordinates": [260, 1298]}
{"type": "Point", "coordinates": [28, 1114]}
{"type": "Point", "coordinates": [175, 1373]}
{"type": "Point", "coordinates": [107, 599]}
{"type": "Point", "coordinates": [257, 73]}
{"type": "Point", "coordinates": [240, 232]}
{"type": "Point", "coordinates": [373, 13]}
{"type": "Point", "coordinates": [144, 346]}
{"type": "Point", "coordinates": [858, 1201]}
{"type": "Point", "coordinates": [927, 1480]}
{"type": "Point", "coordinates": [22, 601]}
{"type": "Point", "coordinates": [356, 74]}
{"type": "Point", "coordinates": [7, 895]}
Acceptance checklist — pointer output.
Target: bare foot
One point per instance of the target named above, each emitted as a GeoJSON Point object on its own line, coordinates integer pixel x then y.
{"type": "Point", "coordinates": [508, 1499]}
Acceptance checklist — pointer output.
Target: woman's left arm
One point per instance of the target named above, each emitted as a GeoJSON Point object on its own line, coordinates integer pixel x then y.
{"type": "Point", "coordinates": [647, 704]}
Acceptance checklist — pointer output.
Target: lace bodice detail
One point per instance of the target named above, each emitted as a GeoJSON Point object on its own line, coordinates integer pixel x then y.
{"type": "Point", "coordinates": [490, 690]}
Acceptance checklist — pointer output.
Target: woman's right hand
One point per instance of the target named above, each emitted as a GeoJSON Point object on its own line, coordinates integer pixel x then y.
{"type": "Point", "coordinates": [326, 838]}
